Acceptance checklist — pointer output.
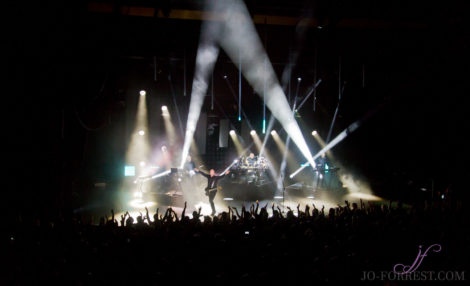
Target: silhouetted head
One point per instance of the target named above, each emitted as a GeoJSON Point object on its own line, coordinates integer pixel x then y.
{"type": "Point", "coordinates": [275, 213]}
{"type": "Point", "coordinates": [129, 221]}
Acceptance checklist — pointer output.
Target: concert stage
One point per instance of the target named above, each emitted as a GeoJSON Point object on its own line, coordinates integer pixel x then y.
{"type": "Point", "coordinates": [163, 193]}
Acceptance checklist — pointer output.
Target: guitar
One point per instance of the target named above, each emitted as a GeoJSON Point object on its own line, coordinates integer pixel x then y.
{"type": "Point", "coordinates": [211, 190]}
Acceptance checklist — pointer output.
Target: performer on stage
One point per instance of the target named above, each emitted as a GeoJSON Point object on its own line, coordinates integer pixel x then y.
{"type": "Point", "coordinates": [320, 164]}
{"type": "Point", "coordinates": [211, 189]}
{"type": "Point", "coordinates": [321, 167]}
{"type": "Point", "coordinates": [189, 166]}
{"type": "Point", "coordinates": [251, 160]}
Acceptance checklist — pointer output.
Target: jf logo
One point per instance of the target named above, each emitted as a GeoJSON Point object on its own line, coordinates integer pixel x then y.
{"type": "Point", "coordinates": [405, 269]}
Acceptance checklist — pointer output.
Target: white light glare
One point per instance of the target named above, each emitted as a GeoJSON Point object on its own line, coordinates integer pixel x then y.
{"type": "Point", "coordinates": [253, 132]}
{"type": "Point", "coordinates": [141, 132]}
{"type": "Point", "coordinates": [142, 93]}
{"type": "Point", "coordinates": [164, 108]}
{"type": "Point", "coordinates": [240, 40]}
{"type": "Point", "coordinates": [142, 163]}
{"type": "Point", "coordinates": [314, 132]}
{"type": "Point", "coordinates": [232, 132]}
{"type": "Point", "coordinates": [273, 132]}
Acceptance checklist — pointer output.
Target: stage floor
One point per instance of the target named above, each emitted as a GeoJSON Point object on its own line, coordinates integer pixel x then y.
{"type": "Point", "coordinates": [134, 198]}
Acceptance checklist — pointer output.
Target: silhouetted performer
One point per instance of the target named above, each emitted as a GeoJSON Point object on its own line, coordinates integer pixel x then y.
{"type": "Point", "coordinates": [321, 168]}
{"type": "Point", "coordinates": [251, 160]}
{"type": "Point", "coordinates": [189, 166]}
{"type": "Point", "coordinates": [211, 189]}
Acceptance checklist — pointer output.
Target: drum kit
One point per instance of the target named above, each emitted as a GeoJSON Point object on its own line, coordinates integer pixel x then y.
{"type": "Point", "coordinates": [250, 170]}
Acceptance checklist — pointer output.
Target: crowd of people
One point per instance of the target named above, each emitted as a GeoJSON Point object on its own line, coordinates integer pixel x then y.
{"type": "Point", "coordinates": [266, 243]}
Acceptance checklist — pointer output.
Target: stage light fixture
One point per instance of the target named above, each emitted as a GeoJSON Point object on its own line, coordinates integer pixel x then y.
{"type": "Point", "coordinates": [164, 108]}
{"type": "Point", "coordinates": [314, 132]}
{"type": "Point", "coordinates": [129, 171]}
{"type": "Point", "coordinates": [253, 132]}
{"type": "Point", "coordinates": [141, 132]}
{"type": "Point", "coordinates": [232, 132]}
{"type": "Point", "coordinates": [299, 79]}
{"type": "Point", "coordinates": [273, 132]}
{"type": "Point", "coordinates": [142, 93]}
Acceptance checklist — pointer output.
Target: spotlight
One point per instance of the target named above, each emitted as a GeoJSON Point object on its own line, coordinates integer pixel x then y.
{"type": "Point", "coordinates": [273, 132]}
{"type": "Point", "coordinates": [235, 161]}
{"type": "Point", "coordinates": [142, 93]}
{"type": "Point", "coordinates": [299, 79]}
{"type": "Point", "coordinates": [225, 76]}
{"type": "Point", "coordinates": [232, 132]}
{"type": "Point", "coordinates": [164, 108]}
{"type": "Point", "coordinates": [314, 132]}
{"type": "Point", "coordinates": [253, 132]}
{"type": "Point", "coordinates": [141, 132]}
{"type": "Point", "coordinates": [129, 171]}
{"type": "Point", "coordinates": [142, 163]}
